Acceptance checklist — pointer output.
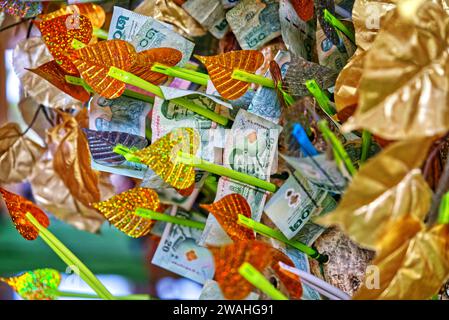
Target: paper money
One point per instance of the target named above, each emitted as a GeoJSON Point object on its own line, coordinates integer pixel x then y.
{"type": "Point", "coordinates": [179, 253]}
{"type": "Point", "coordinates": [210, 14]}
{"type": "Point", "coordinates": [292, 206]}
{"type": "Point", "coordinates": [330, 55]}
{"type": "Point", "coordinates": [322, 173]}
{"type": "Point", "coordinates": [298, 35]}
{"type": "Point", "coordinates": [266, 102]}
{"type": "Point", "coordinates": [229, 3]}
{"type": "Point", "coordinates": [154, 34]}
{"type": "Point", "coordinates": [124, 114]}
{"type": "Point", "coordinates": [255, 22]}
{"type": "Point", "coordinates": [125, 24]}
{"type": "Point", "coordinates": [211, 291]}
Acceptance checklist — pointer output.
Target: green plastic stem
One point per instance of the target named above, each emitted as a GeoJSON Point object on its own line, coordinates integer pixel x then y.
{"type": "Point", "coordinates": [134, 80]}
{"type": "Point", "coordinates": [275, 234]}
{"type": "Point", "coordinates": [150, 214]}
{"type": "Point", "coordinates": [252, 78]}
{"type": "Point", "coordinates": [366, 143]}
{"type": "Point", "coordinates": [70, 259]}
{"type": "Point", "coordinates": [337, 146]}
{"type": "Point", "coordinates": [185, 74]}
{"type": "Point", "coordinates": [66, 294]}
{"type": "Point", "coordinates": [193, 161]}
{"type": "Point", "coordinates": [127, 153]}
{"type": "Point", "coordinates": [100, 33]}
{"type": "Point", "coordinates": [329, 17]}
{"type": "Point", "coordinates": [257, 279]}
{"type": "Point", "coordinates": [192, 71]}
{"type": "Point", "coordinates": [443, 215]}
{"type": "Point", "coordinates": [322, 99]}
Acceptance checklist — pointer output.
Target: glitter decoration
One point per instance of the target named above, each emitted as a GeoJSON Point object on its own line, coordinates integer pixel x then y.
{"type": "Point", "coordinates": [220, 68]}
{"type": "Point", "coordinates": [303, 8]}
{"type": "Point", "coordinates": [119, 210]}
{"type": "Point", "coordinates": [161, 157]}
{"type": "Point", "coordinates": [94, 12]}
{"type": "Point", "coordinates": [54, 74]}
{"type": "Point", "coordinates": [35, 285]}
{"type": "Point", "coordinates": [18, 206]}
{"type": "Point", "coordinates": [94, 61]}
{"type": "Point", "coordinates": [328, 29]}
{"type": "Point", "coordinates": [145, 60]}
{"type": "Point", "coordinates": [59, 33]}
{"type": "Point", "coordinates": [291, 281]}
{"type": "Point", "coordinates": [226, 211]}
{"type": "Point", "coordinates": [21, 9]}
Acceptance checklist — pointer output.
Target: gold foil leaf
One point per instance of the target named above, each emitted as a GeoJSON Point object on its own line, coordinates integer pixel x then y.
{"type": "Point", "coordinates": [387, 189]}
{"type": "Point", "coordinates": [18, 207]}
{"type": "Point", "coordinates": [414, 270]}
{"type": "Point", "coordinates": [161, 157]}
{"type": "Point", "coordinates": [59, 33]}
{"type": "Point", "coordinates": [119, 210]}
{"type": "Point", "coordinates": [226, 210]}
{"type": "Point", "coordinates": [37, 284]}
{"type": "Point", "coordinates": [18, 154]}
{"type": "Point", "coordinates": [54, 74]}
{"type": "Point", "coordinates": [220, 70]}
{"type": "Point", "coordinates": [93, 63]}
{"type": "Point", "coordinates": [70, 160]}
{"type": "Point", "coordinates": [94, 12]}
{"type": "Point", "coordinates": [403, 90]}
{"type": "Point", "coordinates": [146, 59]}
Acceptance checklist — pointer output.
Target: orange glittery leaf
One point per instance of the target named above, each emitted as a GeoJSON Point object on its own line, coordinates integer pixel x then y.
{"type": "Point", "coordinates": [18, 206]}
{"type": "Point", "coordinates": [226, 210]}
{"type": "Point", "coordinates": [220, 68]}
{"type": "Point", "coordinates": [54, 74]}
{"type": "Point", "coordinates": [94, 12]}
{"type": "Point", "coordinates": [161, 157]}
{"type": "Point", "coordinates": [304, 8]}
{"type": "Point", "coordinates": [291, 281]}
{"type": "Point", "coordinates": [187, 191]}
{"type": "Point", "coordinates": [146, 59]}
{"type": "Point", "coordinates": [94, 61]}
{"type": "Point", "coordinates": [119, 210]}
{"type": "Point", "coordinates": [59, 33]}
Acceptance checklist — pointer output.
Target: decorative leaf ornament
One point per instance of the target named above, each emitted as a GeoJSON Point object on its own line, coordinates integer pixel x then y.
{"type": "Point", "coordinates": [94, 12]}
{"type": "Point", "coordinates": [304, 9]}
{"type": "Point", "coordinates": [54, 74]}
{"type": "Point", "coordinates": [229, 258]}
{"type": "Point", "coordinates": [220, 70]}
{"type": "Point", "coordinates": [119, 210]}
{"type": "Point", "coordinates": [93, 63]}
{"type": "Point", "coordinates": [161, 156]}
{"type": "Point", "coordinates": [387, 190]}
{"type": "Point", "coordinates": [21, 9]}
{"type": "Point", "coordinates": [102, 143]}
{"type": "Point", "coordinates": [18, 207]}
{"type": "Point", "coordinates": [37, 284]}
{"type": "Point", "coordinates": [59, 33]}
{"type": "Point", "coordinates": [226, 210]}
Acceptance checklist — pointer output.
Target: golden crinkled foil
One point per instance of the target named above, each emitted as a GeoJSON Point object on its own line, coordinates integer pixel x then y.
{"type": "Point", "coordinates": [368, 17]}
{"type": "Point", "coordinates": [169, 12]}
{"type": "Point", "coordinates": [37, 284]}
{"type": "Point", "coordinates": [220, 68]}
{"type": "Point", "coordinates": [31, 53]}
{"type": "Point", "coordinates": [70, 161]}
{"type": "Point", "coordinates": [226, 210]}
{"type": "Point", "coordinates": [28, 108]}
{"type": "Point", "coordinates": [403, 90]}
{"type": "Point", "coordinates": [161, 155]}
{"type": "Point", "coordinates": [94, 12]}
{"type": "Point", "coordinates": [386, 190]}
{"type": "Point", "coordinates": [348, 81]}
{"type": "Point", "coordinates": [119, 210]}
{"type": "Point", "coordinates": [18, 207]}
{"type": "Point", "coordinates": [93, 63]}
{"type": "Point", "coordinates": [18, 154]}
{"type": "Point", "coordinates": [414, 269]}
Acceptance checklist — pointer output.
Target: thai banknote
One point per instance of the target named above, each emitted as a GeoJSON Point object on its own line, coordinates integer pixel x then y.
{"type": "Point", "coordinates": [125, 24]}
{"type": "Point", "coordinates": [229, 3]}
{"type": "Point", "coordinates": [266, 102]}
{"type": "Point", "coordinates": [322, 173]}
{"type": "Point", "coordinates": [211, 291]}
{"type": "Point", "coordinates": [298, 35]}
{"type": "Point", "coordinates": [330, 55]}
{"type": "Point", "coordinates": [250, 148]}
{"type": "Point", "coordinates": [154, 34]}
{"type": "Point", "coordinates": [255, 22]}
{"type": "Point", "coordinates": [124, 114]}
{"type": "Point", "coordinates": [179, 252]}
{"type": "Point", "coordinates": [292, 206]}
{"type": "Point", "coordinates": [210, 14]}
